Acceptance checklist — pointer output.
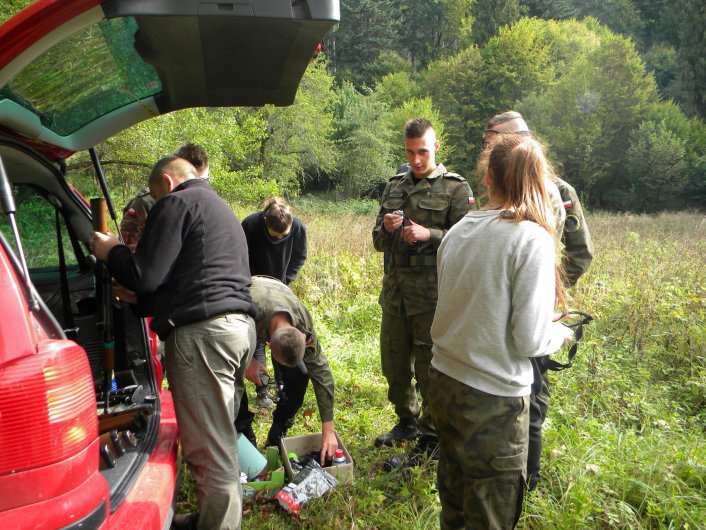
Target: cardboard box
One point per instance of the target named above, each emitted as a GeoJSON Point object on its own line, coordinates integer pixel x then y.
{"type": "Point", "coordinates": [312, 442]}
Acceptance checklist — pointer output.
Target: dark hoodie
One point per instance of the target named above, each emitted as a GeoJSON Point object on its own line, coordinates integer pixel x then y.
{"type": "Point", "coordinates": [278, 258]}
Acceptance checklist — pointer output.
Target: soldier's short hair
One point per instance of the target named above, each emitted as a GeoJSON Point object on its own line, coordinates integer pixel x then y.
{"type": "Point", "coordinates": [194, 154]}
{"type": "Point", "coordinates": [278, 214]}
{"type": "Point", "coordinates": [416, 127]}
{"type": "Point", "coordinates": [290, 344]}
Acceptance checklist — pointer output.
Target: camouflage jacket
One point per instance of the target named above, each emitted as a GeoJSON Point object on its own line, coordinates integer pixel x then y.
{"type": "Point", "coordinates": [437, 202]}
{"type": "Point", "coordinates": [271, 296]}
{"type": "Point", "coordinates": [578, 246]}
{"type": "Point", "coordinates": [135, 217]}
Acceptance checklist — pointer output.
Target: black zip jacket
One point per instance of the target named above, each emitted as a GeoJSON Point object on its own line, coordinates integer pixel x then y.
{"type": "Point", "coordinates": [191, 263]}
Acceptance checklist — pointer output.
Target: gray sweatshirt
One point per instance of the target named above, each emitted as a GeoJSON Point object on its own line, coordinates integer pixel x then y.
{"type": "Point", "coordinates": [496, 303]}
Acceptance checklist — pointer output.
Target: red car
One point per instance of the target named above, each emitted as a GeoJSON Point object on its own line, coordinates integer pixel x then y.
{"type": "Point", "coordinates": [88, 437]}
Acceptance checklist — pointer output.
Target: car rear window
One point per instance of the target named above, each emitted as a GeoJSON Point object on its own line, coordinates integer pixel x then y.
{"type": "Point", "coordinates": [88, 75]}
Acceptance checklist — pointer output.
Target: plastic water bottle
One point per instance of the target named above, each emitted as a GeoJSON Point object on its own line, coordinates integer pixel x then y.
{"type": "Point", "coordinates": [338, 457]}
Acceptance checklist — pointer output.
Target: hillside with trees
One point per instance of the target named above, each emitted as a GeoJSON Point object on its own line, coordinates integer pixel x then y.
{"type": "Point", "coordinates": [615, 88]}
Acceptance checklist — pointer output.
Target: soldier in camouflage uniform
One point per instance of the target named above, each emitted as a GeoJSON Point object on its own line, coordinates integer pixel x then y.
{"type": "Point", "coordinates": [277, 311]}
{"type": "Point", "coordinates": [578, 253]}
{"type": "Point", "coordinates": [417, 209]}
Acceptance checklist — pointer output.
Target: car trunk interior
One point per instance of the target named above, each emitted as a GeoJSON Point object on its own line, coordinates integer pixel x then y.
{"type": "Point", "coordinates": [129, 423]}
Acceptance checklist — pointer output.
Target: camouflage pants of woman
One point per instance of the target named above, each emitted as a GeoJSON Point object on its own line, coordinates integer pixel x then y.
{"type": "Point", "coordinates": [482, 465]}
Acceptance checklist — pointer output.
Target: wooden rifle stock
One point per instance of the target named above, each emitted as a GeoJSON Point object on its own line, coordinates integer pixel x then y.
{"type": "Point", "coordinates": [133, 418]}
{"type": "Point", "coordinates": [104, 286]}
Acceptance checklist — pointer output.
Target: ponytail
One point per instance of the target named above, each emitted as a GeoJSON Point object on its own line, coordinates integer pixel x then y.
{"type": "Point", "coordinates": [518, 168]}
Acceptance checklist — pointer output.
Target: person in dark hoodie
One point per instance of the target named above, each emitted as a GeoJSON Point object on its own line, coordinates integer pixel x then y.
{"type": "Point", "coordinates": [276, 241]}
{"type": "Point", "coordinates": [190, 272]}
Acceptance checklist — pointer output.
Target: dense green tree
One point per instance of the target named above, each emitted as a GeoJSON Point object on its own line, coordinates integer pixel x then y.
{"type": "Point", "coordinates": [365, 144]}
{"type": "Point", "coordinates": [299, 142]}
{"type": "Point", "coordinates": [490, 15]}
{"type": "Point", "coordinates": [367, 29]}
{"type": "Point", "coordinates": [692, 43]}
{"type": "Point", "coordinates": [655, 167]}
{"type": "Point", "coordinates": [231, 137]}
{"type": "Point", "coordinates": [395, 89]}
{"type": "Point", "coordinates": [432, 29]}
{"type": "Point", "coordinates": [692, 134]}
{"type": "Point", "coordinates": [452, 85]}
{"type": "Point", "coordinates": [588, 115]}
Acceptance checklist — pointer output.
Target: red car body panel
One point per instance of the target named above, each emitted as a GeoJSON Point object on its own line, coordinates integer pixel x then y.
{"type": "Point", "coordinates": [63, 510]}
{"type": "Point", "coordinates": [61, 494]}
{"type": "Point", "coordinates": [17, 334]}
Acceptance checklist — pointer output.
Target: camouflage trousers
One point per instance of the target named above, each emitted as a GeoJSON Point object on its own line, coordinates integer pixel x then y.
{"type": "Point", "coordinates": [405, 350]}
{"type": "Point", "coordinates": [483, 458]}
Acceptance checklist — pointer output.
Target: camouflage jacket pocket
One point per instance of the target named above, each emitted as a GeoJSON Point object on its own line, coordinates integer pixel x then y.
{"type": "Point", "coordinates": [434, 211]}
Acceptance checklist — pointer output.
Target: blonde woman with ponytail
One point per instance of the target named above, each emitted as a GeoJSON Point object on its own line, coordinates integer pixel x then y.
{"type": "Point", "coordinates": [499, 287]}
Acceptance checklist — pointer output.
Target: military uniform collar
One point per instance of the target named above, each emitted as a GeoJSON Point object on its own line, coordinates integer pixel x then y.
{"type": "Point", "coordinates": [436, 172]}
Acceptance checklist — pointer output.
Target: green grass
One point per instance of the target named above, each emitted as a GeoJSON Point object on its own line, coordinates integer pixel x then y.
{"type": "Point", "coordinates": [624, 438]}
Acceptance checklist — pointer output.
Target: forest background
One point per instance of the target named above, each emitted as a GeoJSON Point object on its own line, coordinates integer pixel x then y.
{"type": "Point", "coordinates": [616, 88]}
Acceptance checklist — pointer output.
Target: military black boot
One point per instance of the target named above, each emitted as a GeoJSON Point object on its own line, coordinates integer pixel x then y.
{"type": "Point", "coordinates": [276, 433]}
{"type": "Point", "coordinates": [426, 448]}
{"type": "Point", "coordinates": [406, 429]}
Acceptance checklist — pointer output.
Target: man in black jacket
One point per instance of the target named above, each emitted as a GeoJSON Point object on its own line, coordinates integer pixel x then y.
{"type": "Point", "coordinates": [190, 272]}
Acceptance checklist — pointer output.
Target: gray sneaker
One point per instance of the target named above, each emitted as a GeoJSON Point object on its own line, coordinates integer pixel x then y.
{"type": "Point", "coordinates": [405, 430]}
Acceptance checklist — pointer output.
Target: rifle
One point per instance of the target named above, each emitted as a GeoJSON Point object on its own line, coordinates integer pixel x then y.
{"type": "Point", "coordinates": [105, 289]}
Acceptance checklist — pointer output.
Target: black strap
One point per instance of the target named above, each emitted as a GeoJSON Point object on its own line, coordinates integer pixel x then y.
{"type": "Point", "coordinates": [550, 364]}
{"type": "Point", "coordinates": [70, 328]}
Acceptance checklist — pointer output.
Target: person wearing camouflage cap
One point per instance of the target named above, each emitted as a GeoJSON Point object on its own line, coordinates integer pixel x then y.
{"type": "Point", "coordinates": [578, 254]}
{"type": "Point", "coordinates": [417, 208]}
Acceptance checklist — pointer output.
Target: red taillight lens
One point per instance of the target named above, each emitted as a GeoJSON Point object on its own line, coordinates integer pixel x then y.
{"type": "Point", "coordinates": [47, 407]}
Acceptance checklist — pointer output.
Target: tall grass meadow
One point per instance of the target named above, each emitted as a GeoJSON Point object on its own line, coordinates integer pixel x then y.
{"type": "Point", "coordinates": [624, 439]}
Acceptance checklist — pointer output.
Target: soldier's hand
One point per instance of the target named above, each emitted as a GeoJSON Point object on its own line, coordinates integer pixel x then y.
{"type": "Point", "coordinates": [329, 444]}
{"type": "Point", "coordinates": [415, 232]}
{"type": "Point", "coordinates": [392, 222]}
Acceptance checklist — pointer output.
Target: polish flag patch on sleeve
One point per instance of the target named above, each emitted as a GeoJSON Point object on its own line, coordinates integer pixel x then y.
{"type": "Point", "coordinates": [471, 199]}
{"type": "Point", "coordinates": [568, 204]}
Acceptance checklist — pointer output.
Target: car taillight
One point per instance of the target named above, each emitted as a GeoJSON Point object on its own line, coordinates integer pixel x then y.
{"type": "Point", "coordinates": [47, 407]}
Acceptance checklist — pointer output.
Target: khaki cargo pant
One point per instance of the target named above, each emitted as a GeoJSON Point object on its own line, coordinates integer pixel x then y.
{"type": "Point", "coordinates": [205, 363]}
{"type": "Point", "coordinates": [483, 456]}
